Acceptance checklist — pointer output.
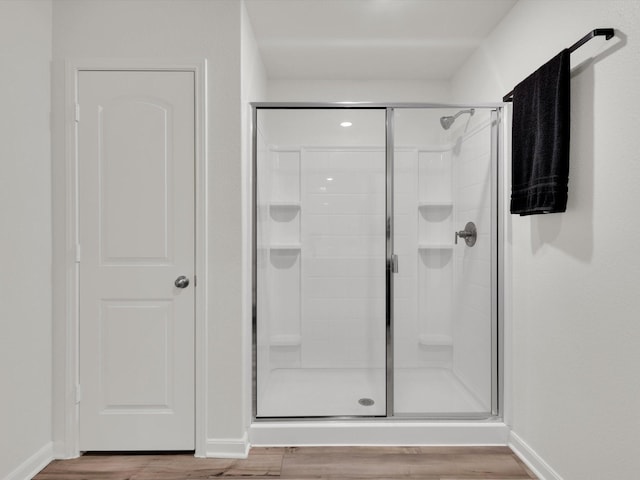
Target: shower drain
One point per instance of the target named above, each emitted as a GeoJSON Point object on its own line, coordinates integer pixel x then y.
{"type": "Point", "coordinates": [366, 402]}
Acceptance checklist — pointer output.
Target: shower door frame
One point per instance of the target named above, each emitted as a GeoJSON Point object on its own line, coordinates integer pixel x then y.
{"type": "Point", "coordinates": [497, 250]}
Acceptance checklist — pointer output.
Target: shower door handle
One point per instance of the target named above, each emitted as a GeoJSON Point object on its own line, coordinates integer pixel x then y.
{"type": "Point", "coordinates": [394, 263]}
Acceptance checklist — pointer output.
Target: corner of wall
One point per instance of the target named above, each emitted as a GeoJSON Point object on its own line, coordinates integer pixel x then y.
{"type": "Point", "coordinates": [253, 80]}
{"type": "Point", "coordinates": [25, 250]}
{"type": "Point", "coordinates": [531, 459]}
{"type": "Point", "coordinates": [32, 465]}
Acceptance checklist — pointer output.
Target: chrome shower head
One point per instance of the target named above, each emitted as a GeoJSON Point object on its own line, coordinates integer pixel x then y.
{"type": "Point", "coordinates": [446, 122]}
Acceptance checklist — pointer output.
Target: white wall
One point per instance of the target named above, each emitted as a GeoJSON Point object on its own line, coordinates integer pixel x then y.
{"type": "Point", "coordinates": [254, 86]}
{"type": "Point", "coordinates": [189, 29]}
{"type": "Point", "coordinates": [342, 280]}
{"type": "Point", "coordinates": [357, 91]}
{"type": "Point", "coordinates": [25, 237]}
{"type": "Point", "coordinates": [575, 328]}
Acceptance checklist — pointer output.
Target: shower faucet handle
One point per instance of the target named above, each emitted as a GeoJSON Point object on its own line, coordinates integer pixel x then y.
{"type": "Point", "coordinates": [470, 234]}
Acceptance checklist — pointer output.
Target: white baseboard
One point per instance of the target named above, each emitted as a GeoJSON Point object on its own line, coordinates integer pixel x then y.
{"type": "Point", "coordinates": [228, 447]}
{"type": "Point", "coordinates": [377, 433]}
{"type": "Point", "coordinates": [537, 465]}
{"type": "Point", "coordinates": [32, 465]}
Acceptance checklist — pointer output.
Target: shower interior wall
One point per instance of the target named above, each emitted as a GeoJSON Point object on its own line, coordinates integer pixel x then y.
{"type": "Point", "coordinates": [443, 310]}
{"type": "Point", "coordinates": [441, 177]}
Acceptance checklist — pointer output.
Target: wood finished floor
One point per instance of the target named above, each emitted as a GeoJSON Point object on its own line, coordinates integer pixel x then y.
{"type": "Point", "coordinates": [429, 463]}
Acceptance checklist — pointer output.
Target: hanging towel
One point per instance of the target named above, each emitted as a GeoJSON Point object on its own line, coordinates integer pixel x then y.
{"type": "Point", "coordinates": [540, 145]}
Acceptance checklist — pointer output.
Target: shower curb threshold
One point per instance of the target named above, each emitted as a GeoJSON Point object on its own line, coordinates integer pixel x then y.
{"type": "Point", "coordinates": [381, 433]}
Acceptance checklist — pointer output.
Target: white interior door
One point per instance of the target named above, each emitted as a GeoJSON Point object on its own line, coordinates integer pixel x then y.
{"type": "Point", "coordinates": [136, 230]}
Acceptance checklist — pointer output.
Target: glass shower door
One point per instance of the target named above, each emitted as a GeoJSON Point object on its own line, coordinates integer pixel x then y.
{"type": "Point", "coordinates": [320, 266]}
{"type": "Point", "coordinates": [445, 238]}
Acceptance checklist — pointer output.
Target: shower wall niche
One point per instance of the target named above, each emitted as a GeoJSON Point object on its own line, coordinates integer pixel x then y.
{"type": "Point", "coordinates": [435, 224]}
{"type": "Point", "coordinates": [321, 337]}
{"type": "Point", "coordinates": [278, 259]}
{"type": "Point", "coordinates": [284, 255]}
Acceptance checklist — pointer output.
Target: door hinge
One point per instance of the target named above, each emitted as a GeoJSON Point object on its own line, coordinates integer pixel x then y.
{"type": "Point", "coordinates": [77, 112]}
{"type": "Point", "coordinates": [77, 253]}
{"type": "Point", "coordinates": [78, 394]}
{"type": "Point", "coordinates": [394, 263]}
{"type": "Point", "coordinates": [195, 281]}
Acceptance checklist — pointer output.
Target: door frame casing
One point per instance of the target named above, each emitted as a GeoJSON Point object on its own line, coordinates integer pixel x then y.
{"type": "Point", "coordinates": [66, 341]}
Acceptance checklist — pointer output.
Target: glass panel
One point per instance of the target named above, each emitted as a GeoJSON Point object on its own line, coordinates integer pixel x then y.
{"type": "Point", "coordinates": [443, 291]}
{"type": "Point", "coordinates": [320, 263]}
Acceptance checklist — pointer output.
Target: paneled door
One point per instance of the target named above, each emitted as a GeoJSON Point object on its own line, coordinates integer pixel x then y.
{"type": "Point", "coordinates": [136, 253]}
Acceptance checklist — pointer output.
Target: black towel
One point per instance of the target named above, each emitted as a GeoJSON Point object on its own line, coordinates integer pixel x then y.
{"type": "Point", "coordinates": [540, 146]}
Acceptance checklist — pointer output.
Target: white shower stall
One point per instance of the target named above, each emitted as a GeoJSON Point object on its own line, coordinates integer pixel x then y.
{"type": "Point", "coordinates": [375, 242]}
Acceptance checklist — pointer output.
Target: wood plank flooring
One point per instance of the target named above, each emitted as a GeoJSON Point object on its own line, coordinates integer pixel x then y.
{"type": "Point", "coordinates": [345, 463]}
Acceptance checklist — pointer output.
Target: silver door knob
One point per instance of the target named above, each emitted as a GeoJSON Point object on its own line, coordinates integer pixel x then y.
{"type": "Point", "coordinates": [181, 282]}
{"type": "Point", "coordinates": [470, 234]}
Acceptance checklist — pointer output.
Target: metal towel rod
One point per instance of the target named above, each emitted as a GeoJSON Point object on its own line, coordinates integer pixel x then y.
{"type": "Point", "coordinates": [598, 32]}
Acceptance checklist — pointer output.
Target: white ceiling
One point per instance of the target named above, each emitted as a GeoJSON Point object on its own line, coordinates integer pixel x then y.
{"type": "Point", "coordinates": [371, 39]}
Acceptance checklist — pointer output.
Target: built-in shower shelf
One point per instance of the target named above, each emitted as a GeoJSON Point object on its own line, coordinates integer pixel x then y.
{"type": "Point", "coordinates": [285, 246]}
{"type": "Point", "coordinates": [283, 205]}
{"type": "Point", "coordinates": [285, 340]}
{"type": "Point", "coordinates": [435, 246]}
{"type": "Point", "coordinates": [435, 340]}
{"type": "Point", "coordinates": [435, 204]}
